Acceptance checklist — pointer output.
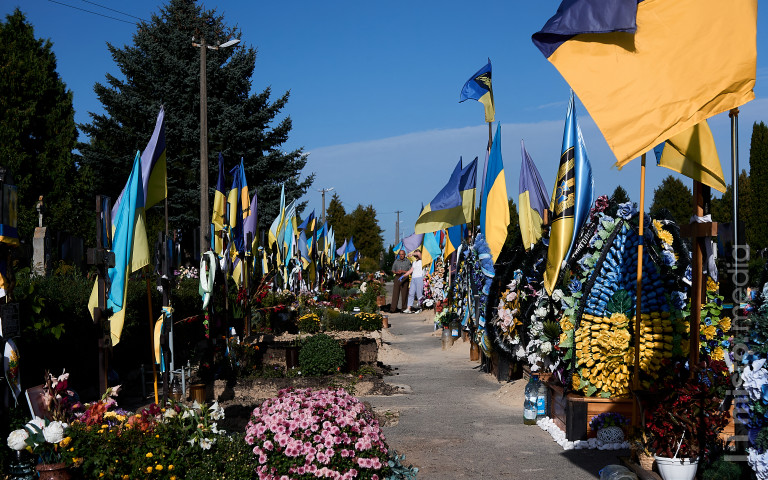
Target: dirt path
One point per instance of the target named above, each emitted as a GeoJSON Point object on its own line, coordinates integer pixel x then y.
{"type": "Point", "coordinates": [456, 422]}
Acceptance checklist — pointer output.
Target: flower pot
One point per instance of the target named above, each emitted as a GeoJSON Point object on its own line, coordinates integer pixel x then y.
{"type": "Point", "coordinates": [610, 435]}
{"type": "Point", "coordinates": [677, 468]}
{"type": "Point", "coordinates": [381, 300]}
{"type": "Point", "coordinates": [197, 393]}
{"type": "Point", "coordinates": [645, 460]}
{"type": "Point", "coordinates": [385, 321]}
{"type": "Point", "coordinates": [291, 357]}
{"type": "Point", "coordinates": [53, 471]}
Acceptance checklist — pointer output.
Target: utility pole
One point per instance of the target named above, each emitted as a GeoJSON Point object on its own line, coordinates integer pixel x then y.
{"type": "Point", "coordinates": [397, 227]}
{"type": "Point", "coordinates": [323, 190]}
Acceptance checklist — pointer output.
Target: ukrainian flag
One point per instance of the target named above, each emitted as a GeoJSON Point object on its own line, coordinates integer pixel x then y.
{"type": "Point", "coordinates": [453, 239]}
{"type": "Point", "coordinates": [532, 201]}
{"type": "Point", "coordinates": [467, 189]}
{"type": "Point", "coordinates": [250, 226]}
{"type": "Point", "coordinates": [350, 248]}
{"type": "Point", "coordinates": [430, 248]}
{"type": "Point", "coordinates": [219, 219]}
{"type": "Point", "coordinates": [649, 70]}
{"type": "Point", "coordinates": [693, 153]}
{"type": "Point", "coordinates": [478, 87]}
{"type": "Point", "coordinates": [494, 206]}
{"type": "Point", "coordinates": [277, 224]}
{"type": "Point", "coordinates": [571, 199]}
{"type": "Point", "coordinates": [445, 210]}
{"type": "Point", "coordinates": [303, 251]}
{"type": "Point", "coordinates": [239, 206]}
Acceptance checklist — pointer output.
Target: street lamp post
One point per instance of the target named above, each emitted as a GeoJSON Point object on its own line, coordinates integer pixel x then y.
{"type": "Point", "coordinates": [205, 218]}
{"type": "Point", "coordinates": [323, 190]}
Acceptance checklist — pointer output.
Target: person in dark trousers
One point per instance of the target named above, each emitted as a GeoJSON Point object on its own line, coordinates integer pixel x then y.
{"type": "Point", "coordinates": [400, 288]}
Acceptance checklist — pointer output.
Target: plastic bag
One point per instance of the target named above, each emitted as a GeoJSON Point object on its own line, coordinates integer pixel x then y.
{"type": "Point", "coordinates": [617, 472]}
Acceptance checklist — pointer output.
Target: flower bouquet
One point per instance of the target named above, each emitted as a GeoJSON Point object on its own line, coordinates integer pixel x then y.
{"type": "Point", "coordinates": [609, 426]}
{"type": "Point", "coordinates": [41, 437]}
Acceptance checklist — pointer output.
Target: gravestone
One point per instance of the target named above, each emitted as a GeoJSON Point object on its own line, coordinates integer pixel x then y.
{"type": "Point", "coordinates": [41, 251]}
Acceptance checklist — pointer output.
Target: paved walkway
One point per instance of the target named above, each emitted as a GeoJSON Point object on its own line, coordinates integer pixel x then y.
{"type": "Point", "coordinates": [452, 423]}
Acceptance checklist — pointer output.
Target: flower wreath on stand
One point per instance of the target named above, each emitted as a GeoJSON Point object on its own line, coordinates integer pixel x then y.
{"type": "Point", "coordinates": [508, 321]}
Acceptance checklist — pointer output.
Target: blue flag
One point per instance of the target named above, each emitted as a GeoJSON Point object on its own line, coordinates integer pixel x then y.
{"type": "Point", "coordinates": [533, 200]}
{"type": "Point", "coordinates": [478, 87]}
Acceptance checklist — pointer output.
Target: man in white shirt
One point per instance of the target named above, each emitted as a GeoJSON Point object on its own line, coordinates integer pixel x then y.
{"type": "Point", "coordinates": [416, 290]}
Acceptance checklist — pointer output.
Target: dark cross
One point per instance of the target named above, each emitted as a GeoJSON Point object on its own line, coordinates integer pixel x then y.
{"type": "Point", "coordinates": [697, 232]}
{"type": "Point", "coordinates": [164, 282]}
{"type": "Point", "coordinates": [103, 259]}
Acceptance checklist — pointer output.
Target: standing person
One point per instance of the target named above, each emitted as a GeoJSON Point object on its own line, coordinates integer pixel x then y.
{"type": "Point", "coordinates": [416, 292]}
{"type": "Point", "coordinates": [400, 288]}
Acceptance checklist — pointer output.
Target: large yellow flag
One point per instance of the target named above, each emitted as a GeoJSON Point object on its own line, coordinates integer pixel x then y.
{"type": "Point", "coordinates": [647, 71]}
{"type": "Point", "coordinates": [693, 153]}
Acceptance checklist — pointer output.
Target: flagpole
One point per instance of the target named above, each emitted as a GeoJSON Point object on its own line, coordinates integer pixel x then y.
{"type": "Point", "coordinates": [636, 367]}
{"type": "Point", "coordinates": [734, 114]}
{"type": "Point", "coordinates": [151, 334]}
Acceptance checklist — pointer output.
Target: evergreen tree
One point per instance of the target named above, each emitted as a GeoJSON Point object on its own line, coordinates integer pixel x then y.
{"type": "Point", "coordinates": [619, 195]}
{"type": "Point", "coordinates": [757, 234]}
{"type": "Point", "coordinates": [673, 200]}
{"type": "Point", "coordinates": [722, 208]}
{"type": "Point", "coordinates": [336, 216]}
{"type": "Point", "coordinates": [38, 133]}
{"type": "Point", "coordinates": [365, 229]}
{"type": "Point", "coordinates": [162, 68]}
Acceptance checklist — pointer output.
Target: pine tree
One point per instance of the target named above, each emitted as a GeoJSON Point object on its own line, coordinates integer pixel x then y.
{"type": "Point", "coordinates": [757, 235]}
{"type": "Point", "coordinates": [673, 200]}
{"type": "Point", "coordinates": [365, 229]}
{"type": "Point", "coordinates": [162, 68]}
{"type": "Point", "coordinates": [336, 216]}
{"type": "Point", "coordinates": [38, 133]}
{"type": "Point", "coordinates": [619, 195]}
{"type": "Point", "coordinates": [722, 208]}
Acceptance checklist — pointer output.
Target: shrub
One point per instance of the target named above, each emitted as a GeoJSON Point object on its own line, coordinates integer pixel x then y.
{"type": "Point", "coordinates": [344, 322]}
{"type": "Point", "coordinates": [320, 355]}
{"type": "Point", "coordinates": [309, 323]}
{"type": "Point", "coordinates": [369, 321]}
{"type": "Point", "coordinates": [317, 433]}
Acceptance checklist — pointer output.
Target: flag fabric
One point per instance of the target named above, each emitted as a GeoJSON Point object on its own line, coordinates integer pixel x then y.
{"type": "Point", "coordinates": [478, 87]}
{"type": "Point", "coordinates": [308, 222]}
{"type": "Point", "coordinates": [131, 249]}
{"type": "Point", "coordinates": [274, 229]}
{"type": "Point", "coordinates": [693, 153]}
{"type": "Point", "coordinates": [453, 239]}
{"type": "Point", "coordinates": [342, 250]}
{"type": "Point", "coordinates": [571, 198]}
{"type": "Point", "coordinates": [331, 244]}
{"type": "Point", "coordinates": [445, 210]}
{"type": "Point", "coordinates": [350, 249]}
{"type": "Point", "coordinates": [219, 217]}
{"type": "Point", "coordinates": [494, 209]}
{"type": "Point", "coordinates": [532, 201]}
{"type": "Point", "coordinates": [430, 248]}
{"type": "Point", "coordinates": [153, 167]}
{"type": "Point", "coordinates": [412, 242]}
{"type": "Point", "coordinates": [239, 206]}
{"type": "Point", "coordinates": [631, 64]}
{"type": "Point", "coordinates": [467, 189]}
{"type": "Point", "coordinates": [303, 250]}
{"type": "Point", "coordinates": [398, 247]}
{"type": "Point", "coordinates": [250, 226]}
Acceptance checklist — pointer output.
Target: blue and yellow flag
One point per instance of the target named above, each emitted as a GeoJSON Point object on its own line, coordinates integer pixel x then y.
{"type": "Point", "coordinates": [467, 189]}
{"type": "Point", "coordinates": [571, 199]}
{"type": "Point", "coordinates": [303, 251]}
{"type": "Point", "coordinates": [398, 247]}
{"type": "Point", "coordinates": [341, 251]}
{"type": "Point", "coordinates": [532, 201]}
{"type": "Point", "coordinates": [330, 246]}
{"type": "Point", "coordinates": [693, 153]}
{"type": "Point", "coordinates": [478, 87]}
{"type": "Point", "coordinates": [219, 216]}
{"type": "Point", "coordinates": [631, 64]}
{"type": "Point", "coordinates": [430, 248]}
{"type": "Point", "coordinates": [445, 210]}
{"type": "Point", "coordinates": [349, 250]}
{"type": "Point", "coordinates": [494, 206]}
{"type": "Point", "coordinates": [250, 226]}
{"type": "Point", "coordinates": [453, 239]}
{"type": "Point", "coordinates": [308, 223]}
{"type": "Point", "coordinates": [239, 206]}
{"type": "Point", "coordinates": [129, 244]}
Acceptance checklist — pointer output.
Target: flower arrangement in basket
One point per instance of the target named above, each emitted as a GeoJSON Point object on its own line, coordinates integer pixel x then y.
{"type": "Point", "coordinates": [609, 426]}
{"type": "Point", "coordinates": [308, 433]}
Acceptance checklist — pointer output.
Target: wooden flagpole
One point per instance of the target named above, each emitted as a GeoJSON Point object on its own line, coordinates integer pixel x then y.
{"type": "Point", "coordinates": [637, 325]}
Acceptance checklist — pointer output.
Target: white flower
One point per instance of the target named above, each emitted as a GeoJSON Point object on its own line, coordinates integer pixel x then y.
{"type": "Point", "coordinates": [557, 295]}
{"type": "Point", "coordinates": [37, 422]}
{"type": "Point", "coordinates": [169, 413]}
{"type": "Point", "coordinates": [207, 443]}
{"type": "Point", "coordinates": [540, 312]}
{"type": "Point", "coordinates": [546, 348]}
{"type": "Point", "coordinates": [186, 414]}
{"type": "Point", "coordinates": [217, 412]}
{"type": "Point", "coordinates": [54, 432]}
{"type": "Point", "coordinates": [17, 440]}
{"type": "Point", "coordinates": [196, 405]}
{"type": "Point", "coordinates": [759, 463]}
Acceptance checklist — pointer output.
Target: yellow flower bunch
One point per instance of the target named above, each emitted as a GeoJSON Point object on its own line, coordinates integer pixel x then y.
{"type": "Point", "coordinates": [603, 350]}
{"type": "Point", "coordinates": [656, 331]}
{"type": "Point", "coordinates": [565, 323]}
{"type": "Point", "coordinates": [666, 237]}
{"type": "Point", "coordinates": [310, 316]}
{"type": "Point", "coordinates": [724, 324]}
{"type": "Point", "coordinates": [709, 332]}
{"type": "Point", "coordinates": [712, 286]}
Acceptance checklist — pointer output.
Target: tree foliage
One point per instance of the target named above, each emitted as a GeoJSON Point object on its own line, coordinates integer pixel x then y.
{"type": "Point", "coordinates": [360, 224]}
{"type": "Point", "coordinates": [162, 67]}
{"type": "Point", "coordinates": [619, 195]}
{"type": "Point", "coordinates": [722, 208]}
{"type": "Point", "coordinates": [673, 200]}
{"type": "Point", "coordinates": [38, 133]}
{"type": "Point", "coordinates": [336, 216]}
{"type": "Point", "coordinates": [757, 235]}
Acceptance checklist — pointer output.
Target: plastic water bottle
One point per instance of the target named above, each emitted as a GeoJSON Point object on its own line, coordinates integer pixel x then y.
{"type": "Point", "coordinates": [531, 396]}
{"type": "Point", "coordinates": [541, 400]}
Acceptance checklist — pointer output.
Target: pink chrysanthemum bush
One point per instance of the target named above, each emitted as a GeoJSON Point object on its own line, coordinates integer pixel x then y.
{"type": "Point", "coordinates": [308, 434]}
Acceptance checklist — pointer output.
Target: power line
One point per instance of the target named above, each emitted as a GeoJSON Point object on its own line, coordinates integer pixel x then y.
{"type": "Point", "coordinates": [95, 13]}
{"type": "Point", "coordinates": [116, 11]}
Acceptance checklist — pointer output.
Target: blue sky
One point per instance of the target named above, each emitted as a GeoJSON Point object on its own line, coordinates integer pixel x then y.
{"type": "Point", "coordinates": [375, 88]}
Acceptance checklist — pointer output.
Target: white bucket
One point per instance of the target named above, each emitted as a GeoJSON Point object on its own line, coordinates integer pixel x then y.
{"type": "Point", "coordinates": [677, 468]}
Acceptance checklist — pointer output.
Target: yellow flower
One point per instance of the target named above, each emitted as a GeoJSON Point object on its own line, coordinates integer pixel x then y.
{"type": "Point", "coordinates": [158, 467]}
{"type": "Point", "coordinates": [126, 477]}
{"type": "Point", "coordinates": [712, 286]}
{"type": "Point", "coordinates": [665, 237]}
{"type": "Point", "coordinates": [563, 338]}
{"type": "Point", "coordinates": [148, 455]}
{"type": "Point", "coordinates": [619, 339]}
{"type": "Point", "coordinates": [575, 382]}
{"type": "Point", "coordinates": [101, 474]}
{"type": "Point", "coordinates": [565, 324]}
{"type": "Point", "coordinates": [173, 477]}
{"type": "Point", "coordinates": [657, 225]}
{"type": "Point", "coordinates": [77, 461]}
{"type": "Point", "coordinates": [718, 354]}
{"type": "Point", "coordinates": [724, 324]}
{"type": "Point", "coordinates": [709, 332]}
{"type": "Point", "coordinates": [170, 467]}
{"type": "Point", "coordinates": [149, 469]}
{"type": "Point", "coordinates": [619, 320]}
{"type": "Point", "coordinates": [65, 441]}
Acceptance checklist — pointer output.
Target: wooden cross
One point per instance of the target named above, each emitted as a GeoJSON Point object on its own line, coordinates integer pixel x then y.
{"type": "Point", "coordinates": [698, 232]}
{"type": "Point", "coordinates": [103, 259]}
